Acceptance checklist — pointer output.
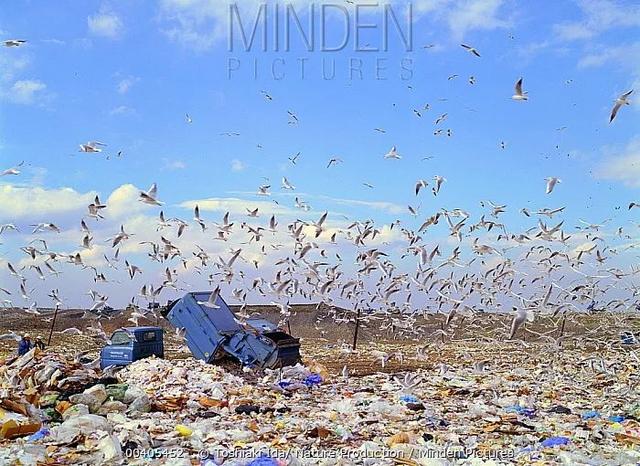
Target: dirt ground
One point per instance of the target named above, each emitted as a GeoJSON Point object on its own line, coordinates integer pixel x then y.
{"type": "Point", "coordinates": [325, 341]}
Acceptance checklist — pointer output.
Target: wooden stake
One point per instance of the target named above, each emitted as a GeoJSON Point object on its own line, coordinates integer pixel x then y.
{"type": "Point", "coordinates": [53, 323]}
{"type": "Point", "coordinates": [355, 333]}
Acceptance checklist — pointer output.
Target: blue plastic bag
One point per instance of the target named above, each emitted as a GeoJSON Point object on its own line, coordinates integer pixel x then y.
{"type": "Point", "coordinates": [42, 433]}
{"type": "Point", "coordinates": [617, 418]}
{"type": "Point", "coordinates": [590, 415]}
{"type": "Point", "coordinates": [263, 461]}
{"type": "Point", "coordinates": [313, 379]}
{"type": "Point", "coordinates": [284, 383]}
{"type": "Point", "coordinates": [529, 412]}
{"type": "Point", "coordinates": [409, 399]}
{"type": "Point", "coordinates": [555, 442]}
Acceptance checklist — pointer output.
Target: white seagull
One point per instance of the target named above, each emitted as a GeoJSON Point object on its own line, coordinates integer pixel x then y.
{"type": "Point", "coordinates": [13, 170]}
{"type": "Point", "coordinates": [551, 183]}
{"type": "Point", "coordinates": [211, 302]}
{"type": "Point", "coordinates": [91, 147]}
{"type": "Point", "coordinates": [150, 197]}
{"type": "Point", "coordinates": [620, 101]}
{"type": "Point", "coordinates": [393, 154]}
{"type": "Point", "coordinates": [519, 93]}
{"type": "Point", "coordinates": [470, 49]}
{"type": "Point", "coordinates": [286, 184]}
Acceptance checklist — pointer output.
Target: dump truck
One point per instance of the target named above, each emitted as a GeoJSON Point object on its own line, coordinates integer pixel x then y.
{"type": "Point", "coordinates": [212, 331]}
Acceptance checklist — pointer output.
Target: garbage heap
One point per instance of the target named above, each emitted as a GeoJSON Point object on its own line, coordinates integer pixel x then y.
{"type": "Point", "coordinates": [36, 387]}
{"type": "Point", "coordinates": [56, 410]}
{"type": "Point", "coordinates": [520, 410]}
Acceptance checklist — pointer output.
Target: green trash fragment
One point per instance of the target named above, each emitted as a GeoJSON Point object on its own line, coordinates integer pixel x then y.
{"type": "Point", "coordinates": [116, 392]}
{"type": "Point", "coordinates": [48, 399]}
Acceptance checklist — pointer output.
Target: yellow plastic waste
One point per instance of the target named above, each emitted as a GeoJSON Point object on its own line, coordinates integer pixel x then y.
{"type": "Point", "coordinates": [184, 431]}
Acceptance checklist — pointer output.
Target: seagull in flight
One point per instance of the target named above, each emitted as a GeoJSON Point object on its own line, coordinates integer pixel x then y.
{"type": "Point", "coordinates": [419, 185]}
{"type": "Point", "coordinates": [334, 161]}
{"type": "Point", "coordinates": [294, 159]}
{"type": "Point", "coordinates": [91, 147]}
{"type": "Point", "coordinates": [470, 49]}
{"type": "Point", "coordinates": [620, 101]}
{"type": "Point", "coordinates": [286, 184]}
{"type": "Point", "coordinates": [551, 183]}
{"type": "Point", "coordinates": [211, 302]}
{"type": "Point", "coordinates": [519, 93]}
{"type": "Point", "coordinates": [14, 42]}
{"type": "Point", "coordinates": [393, 154]}
{"type": "Point", "coordinates": [13, 170]}
{"type": "Point", "coordinates": [150, 197]}
{"type": "Point", "coordinates": [439, 180]}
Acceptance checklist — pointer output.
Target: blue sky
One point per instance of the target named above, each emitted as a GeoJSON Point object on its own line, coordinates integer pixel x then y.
{"type": "Point", "coordinates": [126, 73]}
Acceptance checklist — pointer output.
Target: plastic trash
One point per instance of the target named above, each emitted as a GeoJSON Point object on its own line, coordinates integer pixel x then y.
{"type": "Point", "coordinates": [617, 418]}
{"type": "Point", "coordinates": [183, 430]}
{"type": "Point", "coordinates": [112, 407]}
{"type": "Point", "coordinates": [555, 442]}
{"type": "Point", "coordinates": [141, 404]}
{"type": "Point", "coordinates": [116, 392]}
{"type": "Point", "coordinates": [528, 412]}
{"type": "Point", "coordinates": [48, 399]}
{"type": "Point", "coordinates": [132, 393]}
{"type": "Point", "coordinates": [75, 410]}
{"type": "Point", "coordinates": [247, 409]}
{"type": "Point", "coordinates": [559, 410]}
{"type": "Point", "coordinates": [42, 433]}
{"type": "Point", "coordinates": [409, 399]}
{"type": "Point", "coordinates": [628, 338]}
{"type": "Point", "coordinates": [110, 448]}
{"type": "Point", "coordinates": [264, 461]}
{"type": "Point", "coordinates": [313, 379]}
{"type": "Point", "coordinates": [590, 415]}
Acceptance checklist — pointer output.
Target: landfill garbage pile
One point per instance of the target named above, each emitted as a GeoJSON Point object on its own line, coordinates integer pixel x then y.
{"type": "Point", "coordinates": [520, 408]}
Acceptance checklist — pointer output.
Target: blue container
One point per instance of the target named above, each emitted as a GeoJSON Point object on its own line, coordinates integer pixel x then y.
{"type": "Point", "coordinates": [213, 332]}
{"type": "Point", "coordinates": [130, 344]}
{"type": "Point", "coordinates": [627, 338]}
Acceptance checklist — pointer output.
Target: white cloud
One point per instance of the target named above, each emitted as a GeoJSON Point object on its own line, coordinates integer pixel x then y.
{"type": "Point", "coordinates": [29, 202]}
{"type": "Point", "coordinates": [624, 167]}
{"type": "Point", "coordinates": [122, 110]}
{"type": "Point", "coordinates": [599, 16]}
{"type": "Point", "coordinates": [200, 24]}
{"type": "Point", "coordinates": [238, 206]}
{"type": "Point", "coordinates": [10, 67]}
{"type": "Point", "coordinates": [195, 23]}
{"type": "Point", "coordinates": [627, 55]}
{"type": "Point", "coordinates": [123, 201]}
{"type": "Point", "coordinates": [237, 165]}
{"type": "Point", "coordinates": [105, 24]}
{"type": "Point", "coordinates": [389, 207]}
{"type": "Point", "coordinates": [124, 85]}
{"type": "Point", "coordinates": [27, 91]}
{"type": "Point", "coordinates": [174, 164]}
{"type": "Point", "coordinates": [475, 15]}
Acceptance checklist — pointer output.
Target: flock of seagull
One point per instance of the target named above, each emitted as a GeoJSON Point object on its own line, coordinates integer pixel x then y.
{"type": "Point", "coordinates": [451, 263]}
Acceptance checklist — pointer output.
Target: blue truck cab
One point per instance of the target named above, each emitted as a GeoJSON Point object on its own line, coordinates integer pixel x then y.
{"type": "Point", "coordinates": [130, 344]}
